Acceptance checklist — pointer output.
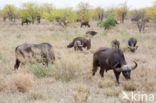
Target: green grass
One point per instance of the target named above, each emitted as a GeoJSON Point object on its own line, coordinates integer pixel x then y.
{"type": "Point", "coordinates": [40, 70]}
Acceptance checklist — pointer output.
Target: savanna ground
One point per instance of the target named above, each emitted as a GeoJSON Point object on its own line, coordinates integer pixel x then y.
{"type": "Point", "coordinates": [70, 79]}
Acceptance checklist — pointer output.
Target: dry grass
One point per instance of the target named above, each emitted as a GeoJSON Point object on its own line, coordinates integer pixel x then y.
{"type": "Point", "coordinates": [74, 67]}
{"type": "Point", "coordinates": [131, 85]}
{"type": "Point", "coordinates": [115, 91]}
{"type": "Point", "coordinates": [22, 81]}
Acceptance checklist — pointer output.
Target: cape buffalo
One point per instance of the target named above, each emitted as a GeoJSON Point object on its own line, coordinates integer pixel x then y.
{"type": "Point", "coordinates": [41, 53]}
{"type": "Point", "coordinates": [111, 59]}
{"type": "Point", "coordinates": [92, 33]}
{"type": "Point", "coordinates": [27, 21]}
{"type": "Point", "coordinates": [115, 44]}
{"type": "Point", "coordinates": [85, 42]}
{"type": "Point", "coordinates": [85, 24]}
{"type": "Point", "coordinates": [132, 44]}
{"type": "Point", "coordinates": [78, 45]}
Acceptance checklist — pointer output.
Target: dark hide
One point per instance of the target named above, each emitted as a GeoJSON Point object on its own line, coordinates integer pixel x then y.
{"type": "Point", "coordinates": [85, 24]}
{"type": "Point", "coordinates": [92, 33]}
{"type": "Point", "coordinates": [132, 44]}
{"type": "Point", "coordinates": [111, 59]}
{"type": "Point", "coordinates": [86, 43]}
{"type": "Point", "coordinates": [26, 21]}
{"type": "Point", "coordinates": [115, 44]}
{"type": "Point", "coordinates": [78, 46]}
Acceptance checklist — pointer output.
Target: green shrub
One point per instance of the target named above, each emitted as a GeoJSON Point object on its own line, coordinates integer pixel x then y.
{"type": "Point", "coordinates": [108, 23]}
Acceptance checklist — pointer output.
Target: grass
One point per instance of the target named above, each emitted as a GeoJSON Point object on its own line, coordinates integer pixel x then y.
{"type": "Point", "coordinates": [70, 79]}
{"type": "Point", "coordinates": [64, 70]}
{"type": "Point", "coordinates": [115, 91]}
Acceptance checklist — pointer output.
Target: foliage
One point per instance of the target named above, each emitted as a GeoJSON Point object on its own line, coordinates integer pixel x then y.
{"type": "Point", "coordinates": [65, 15]}
{"type": "Point", "coordinates": [108, 23]}
{"type": "Point", "coordinates": [121, 12]}
{"type": "Point", "coordinates": [98, 14]}
{"type": "Point", "coordinates": [30, 10]}
{"type": "Point", "coordinates": [46, 7]}
{"type": "Point", "coordinates": [83, 12]}
{"type": "Point", "coordinates": [9, 11]}
{"type": "Point", "coordinates": [151, 12]}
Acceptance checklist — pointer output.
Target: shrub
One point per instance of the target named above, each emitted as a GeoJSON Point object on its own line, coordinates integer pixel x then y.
{"type": "Point", "coordinates": [108, 23]}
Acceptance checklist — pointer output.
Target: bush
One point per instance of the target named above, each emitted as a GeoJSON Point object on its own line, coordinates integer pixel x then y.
{"type": "Point", "coordinates": [108, 23]}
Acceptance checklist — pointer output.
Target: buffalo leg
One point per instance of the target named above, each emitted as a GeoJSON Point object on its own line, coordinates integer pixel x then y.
{"type": "Point", "coordinates": [102, 72]}
{"type": "Point", "coordinates": [17, 64]}
{"type": "Point", "coordinates": [95, 67]}
{"type": "Point", "coordinates": [117, 74]}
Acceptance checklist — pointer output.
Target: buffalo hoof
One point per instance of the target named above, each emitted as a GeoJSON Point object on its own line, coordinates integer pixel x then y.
{"type": "Point", "coordinates": [93, 74]}
{"type": "Point", "coordinates": [117, 84]}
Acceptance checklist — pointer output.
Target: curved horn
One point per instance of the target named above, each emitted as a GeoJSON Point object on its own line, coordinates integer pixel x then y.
{"type": "Point", "coordinates": [127, 67]}
{"type": "Point", "coordinates": [135, 66]}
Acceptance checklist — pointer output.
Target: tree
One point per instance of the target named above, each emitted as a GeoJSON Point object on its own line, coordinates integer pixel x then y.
{"type": "Point", "coordinates": [99, 14]}
{"type": "Point", "coordinates": [108, 23]}
{"type": "Point", "coordinates": [151, 12]}
{"type": "Point", "coordinates": [83, 12]}
{"type": "Point", "coordinates": [10, 12]}
{"type": "Point", "coordinates": [121, 12]}
{"type": "Point", "coordinates": [30, 10]}
{"type": "Point", "coordinates": [62, 16]}
{"type": "Point", "coordinates": [46, 7]}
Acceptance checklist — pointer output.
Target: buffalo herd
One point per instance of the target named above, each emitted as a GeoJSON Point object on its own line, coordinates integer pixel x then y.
{"type": "Point", "coordinates": [105, 58]}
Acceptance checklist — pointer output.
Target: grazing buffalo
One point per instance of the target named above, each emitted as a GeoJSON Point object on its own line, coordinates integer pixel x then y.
{"type": "Point", "coordinates": [92, 33]}
{"type": "Point", "coordinates": [115, 44]}
{"type": "Point", "coordinates": [41, 53]}
{"type": "Point", "coordinates": [112, 59]}
{"type": "Point", "coordinates": [132, 44]}
{"type": "Point", "coordinates": [85, 24]}
{"type": "Point", "coordinates": [27, 21]}
{"type": "Point", "coordinates": [84, 42]}
{"type": "Point", "coordinates": [77, 45]}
